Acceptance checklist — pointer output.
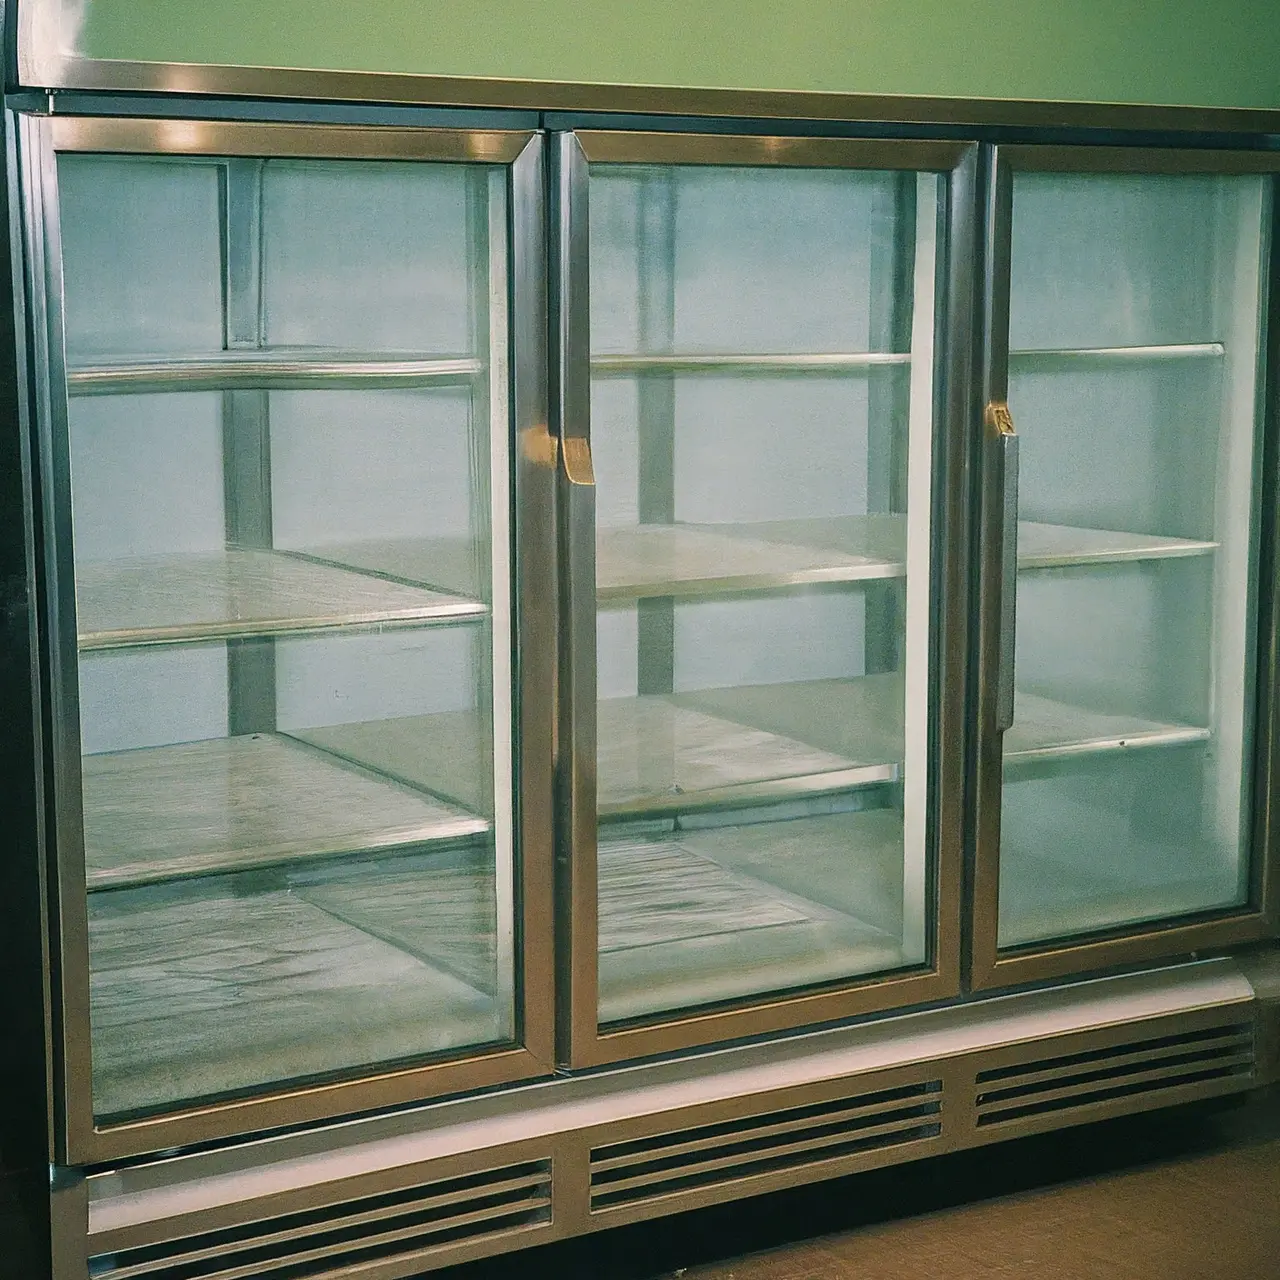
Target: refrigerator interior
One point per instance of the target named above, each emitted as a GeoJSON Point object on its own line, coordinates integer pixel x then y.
{"type": "Point", "coordinates": [762, 358]}
{"type": "Point", "coordinates": [1135, 332]}
{"type": "Point", "coordinates": [288, 455]}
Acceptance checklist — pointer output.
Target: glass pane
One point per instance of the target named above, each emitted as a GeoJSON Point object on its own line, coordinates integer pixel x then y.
{"type": "Point", "coordinates": [761, 418]}
{"type": "Point", "coordinates": [296, 724]}
{"type": "Point", "coordinates": [1135, 335]}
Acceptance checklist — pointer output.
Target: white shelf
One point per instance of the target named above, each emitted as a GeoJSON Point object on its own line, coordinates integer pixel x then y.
{"type": "Point", "coordinates": [721, 748]}
{"type": "Point", "coordinates": [278, 368]}
{"type": "Point", "coordinates": [693, 560]}
{"type": "Point", "coordinates": [1052, 546]}
{"type": "Point", "coordinates": [233, 804]}
{"type": "Point", "coordinates": [241, 593]}
{"type": "Point", "coordinates": [663, 755]}
{"type": "Point", "coordinates": [1047, 730]}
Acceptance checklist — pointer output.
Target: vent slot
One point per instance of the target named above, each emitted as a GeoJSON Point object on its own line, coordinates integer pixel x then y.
{"type": "Point", "coordinates": [1137, 1069]}
{"type": "Point", "coordinates": [372, 1228]}
{"type": "Point", "coordinates": [729, 1151]}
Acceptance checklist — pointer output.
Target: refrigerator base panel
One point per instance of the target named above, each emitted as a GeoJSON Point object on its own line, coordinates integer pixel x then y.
{"type": "Point", "coordinates": [441, 1184]}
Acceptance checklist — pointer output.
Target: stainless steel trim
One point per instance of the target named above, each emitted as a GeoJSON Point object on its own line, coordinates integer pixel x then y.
{"type": "Point", "coordinates": [958, 404]}
{"type": "Point", "coordinates": [1148, 941]}
{"type": "Point", "coordinates": [534, 590]}
{"type": "Point", "coordinates": [1006, 441]}
{"type": "Point", "coordinates": [606, 366]}
{"type": "Point", "coordinates": [68, 1224]}
{"type": "Point", "coordinates": [993, 389]}
{"type": "Point", "coordinates": [270, 369]}
{"type": "Point", "coordinates": [773, 1012]}
{"type": "Point", "coordinates": [80, 1141]}
{"type": "Point", "coordinates": [576, 751]}
{"type": "Point", "coordinates": [68, 908]}
{"type": "Point", "coordinates": [1265, 832]}
{"type": "Point", "coordinates": [59, 72]}
{"type": "Point", "coordinates": [1163, 351]}
{"type": "Point", "coordinates": [1072, 159]}
{"type": "Point", "coordinates": [606, 146]}
{"type": "Point", "coordinates": [744, 794]}
{"type": "Point", "coordinates": [138, 135]}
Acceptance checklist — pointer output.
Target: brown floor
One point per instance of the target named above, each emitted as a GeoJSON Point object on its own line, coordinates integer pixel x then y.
{"type": "Point", "coordinates": [1183, 1195]}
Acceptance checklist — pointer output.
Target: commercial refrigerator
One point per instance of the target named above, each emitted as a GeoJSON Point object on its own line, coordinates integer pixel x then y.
{"type": "Point", "coordinates": [579, 667]}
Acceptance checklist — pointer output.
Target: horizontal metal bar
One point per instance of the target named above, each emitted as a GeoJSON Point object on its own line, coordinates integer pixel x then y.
{"type": "Point", "coordinates": [423, 1233]}
{"type": "Point", "coordinates": [719, 1140]}
{"type": "Point", "coordinates": [798, 362]}
{"type": "Point", "coordinates": [1172, 160]}
{"type": "Point", "coordinates": [1173, 736]}
{"type": "Point", "coordinates": [659, 100]}
{"type": "Point", "coordinates": [268, 370]}
{"type": "Point", "coordinates": [1152, 351]}
{"type": "Point", "coordinates": [607, 146]}
{"type": "Point", "coordinates": [461, 611]}
{"type": "Point", "coordinates": [138, 135]}
{"type": "Point", "coordinates": [752, 793]}
{"type": "Point", "coordinates": [227, 1248]}
{"type": "Point", "coordinates": [1230, 1038]}
{"type": "Point", "coordinates": [1094, 1082]}
{"type": "Point", "coordinates": [815, 1145]}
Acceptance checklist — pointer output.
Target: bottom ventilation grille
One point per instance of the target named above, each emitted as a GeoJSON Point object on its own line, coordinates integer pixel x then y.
{"type": "Point", "coordinates": [377, 1228]}
{"type": "Point", "coordinates": [796, 1138]}
{"type": "Point", "coordinates": [1056, 1085]}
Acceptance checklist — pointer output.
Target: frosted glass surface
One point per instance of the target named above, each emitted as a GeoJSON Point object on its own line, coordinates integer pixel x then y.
{"type": "Point", "coordinates": [141, 256]}
{"type": "Point", "coordinates": [810, 437]}
{"type": "Point", "coordinates": [1159, 443]}
{"type": "Point", "coordinates": [348, 465]}
{"type": "Point", "coordinates": [126, 699]}
{"type": "Point", "coordinates": [1116, 261]}
{"type": "Point", "coordinates": [341, 680]}
{"type": "Point", "coordinates": [297, 779]}
{"type": "Point", "coordinates": [740, 566]}
{"type": "Point", "coordinates": [795, 251]}
{"type": "Point", "coordinates": [369, 257]}
{"type": "Point", "coordinates": [146, 474]}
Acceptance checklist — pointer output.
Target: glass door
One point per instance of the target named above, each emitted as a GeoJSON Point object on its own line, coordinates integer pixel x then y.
{"type": "Point", "coordinates": [752, 332]}
{"type": "Point", "coordinates": [1126, 693]}
{"type": "Point", "coordinates": [281, 448]}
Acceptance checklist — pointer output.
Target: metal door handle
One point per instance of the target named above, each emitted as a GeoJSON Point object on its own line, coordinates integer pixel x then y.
{"type": "Point", "coordinates": [1000, 431]}
{"type": "Point", "coordinates": [575, 453]}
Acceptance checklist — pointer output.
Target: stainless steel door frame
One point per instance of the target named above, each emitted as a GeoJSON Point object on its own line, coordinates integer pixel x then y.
{"type": "Point", "coordinates": [581, 1042]}
{"type": "Point", "coordinates": [987, 966]}
{"type": "Point", "coordinates": [520, 382]}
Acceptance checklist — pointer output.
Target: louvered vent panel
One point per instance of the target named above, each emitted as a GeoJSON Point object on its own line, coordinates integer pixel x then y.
{"type": "Point", "coordinates": [792, 1139]}
{"type": "Point", "coordinates": [1136, 1072]}
{"type": "Point", "coordinates": [376, 1228]}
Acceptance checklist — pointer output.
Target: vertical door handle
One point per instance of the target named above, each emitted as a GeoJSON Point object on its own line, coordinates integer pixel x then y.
{"type": "Point", "coordinates": [1001, 435]}
{"type": "Point", "coordinates": [575, 456]}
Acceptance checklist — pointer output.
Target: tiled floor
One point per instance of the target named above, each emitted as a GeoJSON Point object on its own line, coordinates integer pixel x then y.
{"type": "Point", "coordinates": [1186, 1195]}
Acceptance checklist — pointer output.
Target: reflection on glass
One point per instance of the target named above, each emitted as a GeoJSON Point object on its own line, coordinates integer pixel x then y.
{"type": "Point", "coordinates": [294, 717]}
{"type": "Point", "coordinates": [1135, 329]}
{"type": "Point", "coordinates": [763, 577]}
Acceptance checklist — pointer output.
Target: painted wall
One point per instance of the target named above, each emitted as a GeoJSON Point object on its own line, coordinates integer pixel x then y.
{"type": "Point", "coordinates": [1151, 51]}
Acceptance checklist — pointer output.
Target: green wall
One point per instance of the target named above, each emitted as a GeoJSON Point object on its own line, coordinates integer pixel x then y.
{"type": "Point", "coordinates": [1190, 52]}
